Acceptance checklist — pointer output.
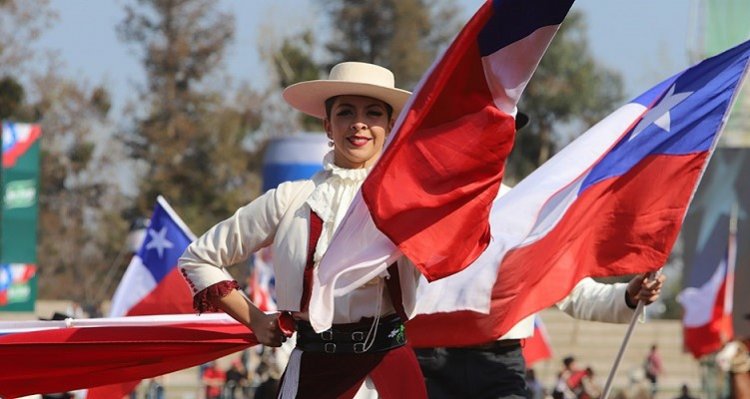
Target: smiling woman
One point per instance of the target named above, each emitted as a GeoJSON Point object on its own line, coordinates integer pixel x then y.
{"type": "Point", "coordinates": [365, 351]}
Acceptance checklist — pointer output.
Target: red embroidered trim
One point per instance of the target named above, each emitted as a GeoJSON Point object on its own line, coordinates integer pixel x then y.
{"type": "Point", "coordinates": [205, 301]}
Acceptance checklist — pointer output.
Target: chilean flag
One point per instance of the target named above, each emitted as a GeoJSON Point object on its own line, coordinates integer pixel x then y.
{"type": "Point", "coordinates": [707, 301]}
{"type": "Point", "coordinates": [611, 203]}
{"type": "Point", "coordinates": [17, 139]}
{"type": "Point", "coordinates": [65, 355]}
{"type": "Point", "coordinates": [152, 283]}
{"type": "Point", "coordinates": [262, 281]}
{"type": "Point", "coordinates": [430, 194]}
{"type": "Point", "coordinates": [537, 347]}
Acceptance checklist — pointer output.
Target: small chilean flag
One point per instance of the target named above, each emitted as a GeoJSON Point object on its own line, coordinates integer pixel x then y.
{"type": "Point", "coordinates": [17, 139]}
{"type": "Point", "coordinates": [707, 321]}
{"type": "Point", "coordinates": [430, 194]}
{"type": "Point", "coordinates": [537, 347]}
{"type": "Point", "coordinates": [152, 283]}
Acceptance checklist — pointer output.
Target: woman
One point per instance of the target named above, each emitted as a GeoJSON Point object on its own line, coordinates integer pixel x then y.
{"type": "Point", "coordinates": [364, 353]}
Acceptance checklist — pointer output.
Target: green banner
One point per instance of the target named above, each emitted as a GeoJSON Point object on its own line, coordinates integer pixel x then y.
{"type": "Point", "coordinates": [726, 25]}
{"type": "Point", "coordinates": [19, 186]}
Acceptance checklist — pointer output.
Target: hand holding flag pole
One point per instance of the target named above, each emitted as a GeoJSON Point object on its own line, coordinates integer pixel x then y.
{"type": "Point", "coordinates": [639, 311]}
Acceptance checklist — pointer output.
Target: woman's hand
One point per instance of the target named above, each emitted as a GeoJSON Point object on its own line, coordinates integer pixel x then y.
{"type": "Point", "coordinates": [644, 288]}
{"type": "Point", "coordinates": [266, 327]}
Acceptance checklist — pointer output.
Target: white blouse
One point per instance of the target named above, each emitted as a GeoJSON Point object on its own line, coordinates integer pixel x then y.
{"type": "Point", "coordinates": [281, 218]}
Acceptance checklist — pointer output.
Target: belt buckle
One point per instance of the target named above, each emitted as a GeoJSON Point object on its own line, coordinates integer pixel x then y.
{"type": "Point", "coordinates": [359, 347]}
{"type": "Point", "coordinates": [358, 336]}
{"type": "Point", "coordinates": [327, 335]}
{"type": "Point", "coordinates": [329, 347]}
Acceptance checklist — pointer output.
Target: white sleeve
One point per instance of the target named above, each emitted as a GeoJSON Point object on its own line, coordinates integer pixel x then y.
{"type": "Point", "coordinates": [595, 301]}
{"type": "Point", "coordinates": [233, 240]}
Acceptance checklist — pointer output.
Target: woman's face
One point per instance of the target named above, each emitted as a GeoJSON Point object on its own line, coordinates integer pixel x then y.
{"type": "Point", "coordinates": [358, 126]}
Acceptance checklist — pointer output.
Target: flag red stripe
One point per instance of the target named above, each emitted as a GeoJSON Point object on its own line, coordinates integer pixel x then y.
{"type": "Point", "coordinates": [436, 181]}
{"type": "Point", "coordinates": [170, 296]}
{"type": "Point", "coordinates": [10, 157]}
{"type": "Point", "coordinates": [536, 348]}
{"type": "Point", "coordinates": [73, 358]}
{"type": "Point", "coordinates": [711, 337]}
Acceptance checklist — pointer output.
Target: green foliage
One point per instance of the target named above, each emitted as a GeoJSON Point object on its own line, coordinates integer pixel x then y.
{"type": "Point", "coordinates": [11, 97]}
{"type": "Point", "coordinates": [189, 140]}
{"type": "Point", "coordinates": [569, 87]}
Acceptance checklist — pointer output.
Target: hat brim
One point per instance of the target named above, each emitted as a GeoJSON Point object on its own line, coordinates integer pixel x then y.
{"type": "Point", "coordinates": [309, 97]}
{"type": "Point", "coordinates": [521, 120]}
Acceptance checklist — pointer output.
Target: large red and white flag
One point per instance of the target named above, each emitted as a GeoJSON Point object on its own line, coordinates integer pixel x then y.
{"type": "Point", "coordinates": [66, 355]}
{"type": "Point", "coordinates": [610, 203]}
{"type": "Point", "coordinates": [429, 195]}
{"type": "Point", "coordinates": [708, 299]}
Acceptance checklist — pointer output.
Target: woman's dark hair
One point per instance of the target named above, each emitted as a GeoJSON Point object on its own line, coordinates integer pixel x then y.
{"type": "Point", "coordinates": [329, 105]}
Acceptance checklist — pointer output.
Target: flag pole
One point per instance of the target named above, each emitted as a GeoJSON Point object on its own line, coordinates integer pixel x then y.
{"type": "Point", "coordinates": [638, 312]}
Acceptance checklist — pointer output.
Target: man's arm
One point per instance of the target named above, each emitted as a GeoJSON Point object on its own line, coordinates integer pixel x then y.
{"type": "Point", "coordinates": [610, 303]}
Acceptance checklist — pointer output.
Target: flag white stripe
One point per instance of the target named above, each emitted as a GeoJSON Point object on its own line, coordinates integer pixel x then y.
{"type": "Point", "coordinates": [136, 284]}
{"type": "Point", "coordinates": [508, 70]}
{"type": "Point", "coordinates": [702, 299]}
{"type": "Point", "coordinates": [8, 327]}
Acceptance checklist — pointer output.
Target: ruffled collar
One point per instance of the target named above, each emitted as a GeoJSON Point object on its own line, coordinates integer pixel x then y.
{"type": "Point", "coordinates": [331, 198]}
{"type": "Point", "coordinates": [355, 175]}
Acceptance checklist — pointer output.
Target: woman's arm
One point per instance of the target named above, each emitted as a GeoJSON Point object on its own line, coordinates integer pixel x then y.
{"type": "Point", "coordinates": [265, 326]}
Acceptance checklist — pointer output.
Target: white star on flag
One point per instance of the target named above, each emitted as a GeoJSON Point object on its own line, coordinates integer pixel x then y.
{"type": "Point", "coordinates": [159, 241]}
{"type": "Point", "coordinates": [659, 114]}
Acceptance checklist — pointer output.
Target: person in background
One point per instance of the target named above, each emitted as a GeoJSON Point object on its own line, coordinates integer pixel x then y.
{"type": "Point", "coordinates": [685, 393]}
{"type": "Point", "coordinates": [236, 379]}
{"type": "Point", "coordinates": [590, 389]}
{"type": "Point", "coordinates": [564, 386]}
{"type": "Point", "coordinates": [213, 379]}
{"type": "Point", "coordinates": [534, 388]}
{"type": "Point", "coordinates": [365, 351]}
{"type": "Point", "coordinates": [653, 368]}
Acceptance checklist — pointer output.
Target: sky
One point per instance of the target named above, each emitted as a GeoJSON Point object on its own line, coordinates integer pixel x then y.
{"type": "Point", "coordinates": [645, 40]}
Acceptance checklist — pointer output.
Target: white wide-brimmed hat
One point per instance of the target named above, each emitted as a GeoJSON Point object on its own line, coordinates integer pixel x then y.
{"type": "Point", "coordinates": [346, 78]}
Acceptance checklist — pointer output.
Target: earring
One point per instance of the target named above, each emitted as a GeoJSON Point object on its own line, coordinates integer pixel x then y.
{"type": "Point", "coordinates": [330, 143]}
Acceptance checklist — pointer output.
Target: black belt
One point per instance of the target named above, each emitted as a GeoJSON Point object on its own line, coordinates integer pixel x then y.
{"type": "Point", "coordinates": [350, 338]}
{"type": "Point", "coordinates": [502, 345]}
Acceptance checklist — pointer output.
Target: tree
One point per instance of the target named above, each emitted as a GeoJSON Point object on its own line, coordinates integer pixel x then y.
{"type": "Point", "coordinates": [568, 88]}
{"type": "Point", "coordinates": [190, 140]}
{"type": "Point", "coordinates": [294, 63]}
{"type": "Point", "coordinates": [21, 23]}
{"type": "Point", "coordinates": [11, 97]}
{"type": "Point", "coordinates": [80, 228]}
{"type": "Point", "coordinates": [80, 203]}
{"type": "Point", "coordinates": [402, 35]}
